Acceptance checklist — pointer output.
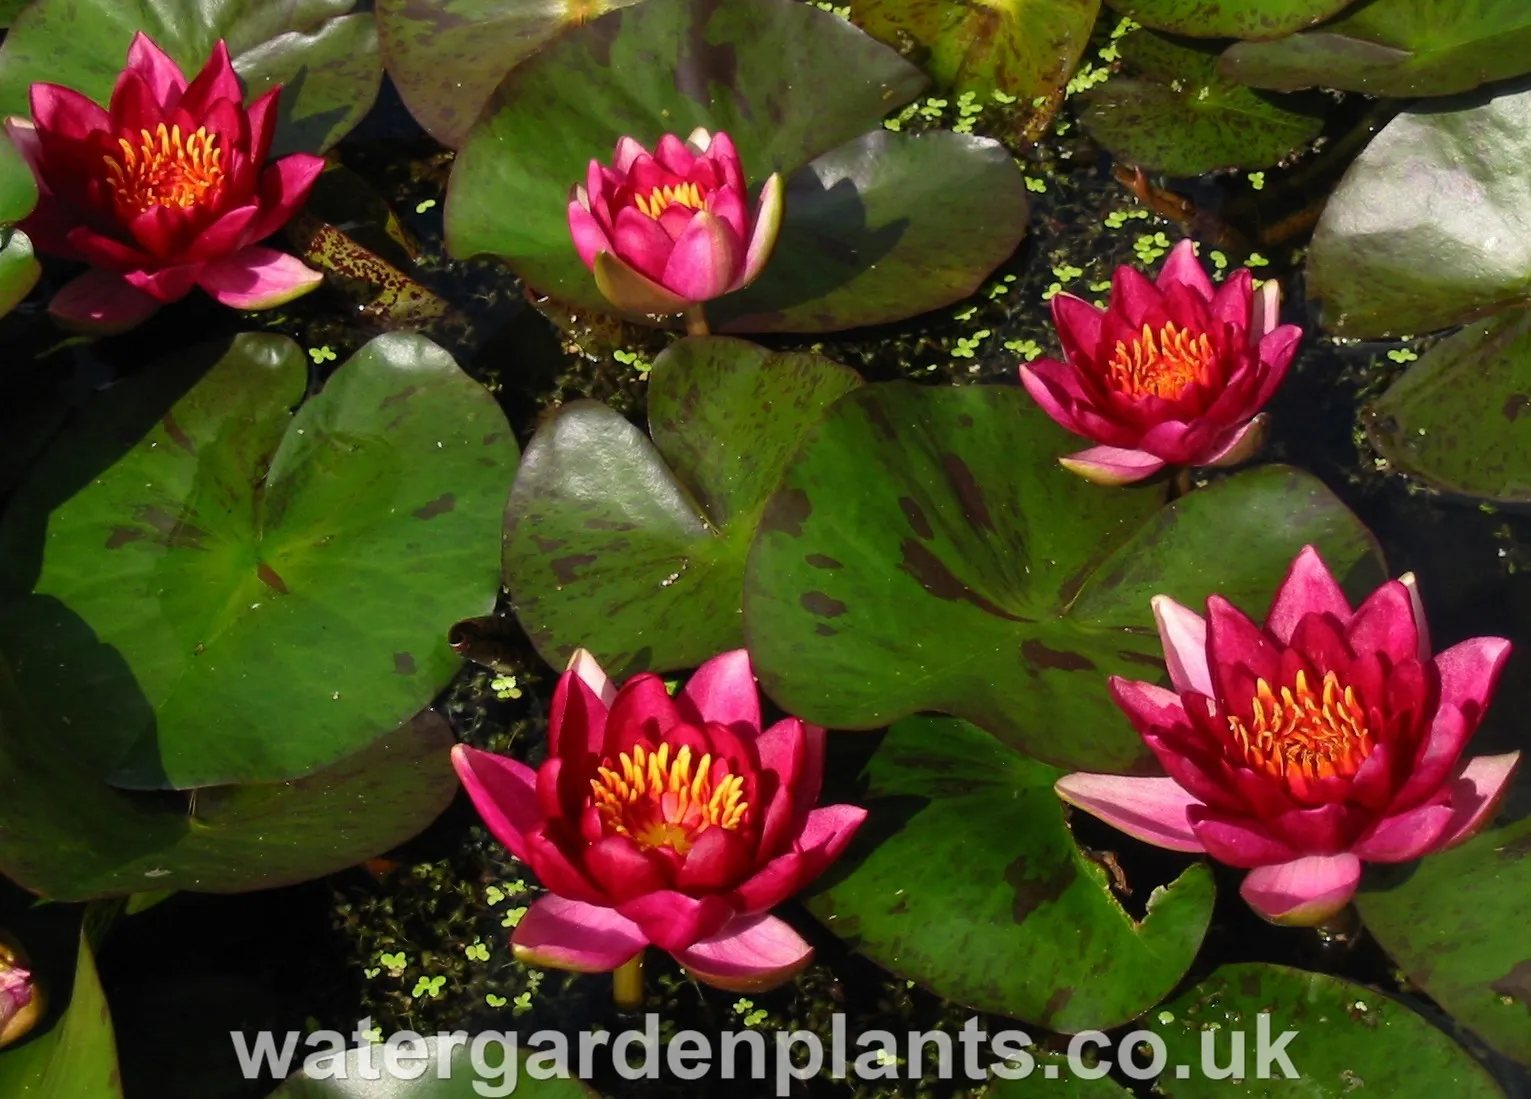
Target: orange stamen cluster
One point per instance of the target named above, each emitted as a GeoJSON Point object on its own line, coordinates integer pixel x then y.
{"type": "Point", "coordinates": [660, 199]}
{"type": "Point", "coordinates": [1301, 736]}
{"type": "Point", "coordinates": [165, 169]}
{"type": "Point", "coordinates": [1159, 364]}
{"type": "Point", "coordinates": [662, 802]}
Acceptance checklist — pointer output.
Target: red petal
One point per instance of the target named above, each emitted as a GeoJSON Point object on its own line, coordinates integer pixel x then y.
{"type": "Point", "coordinates": [216, 81]}
{"type": "Point", "coordinates": [168, 283]}
{"type": "Point", "coordinates": [66, 113]}
{"type": "Point", "coordinates": [284, 186]}
{"type": "Point", "coordinates": [717, 860]}
{"type": "Point", "coordinates": [622, 870]}
{"type": "Point", "coordinates": [503, 791]}
{"type": "Point", "coordinates": [673, 921]}
{"type": "Point", "coordinates": [642, 713]}
{"type": "Point", "coordinates": [159, 72]}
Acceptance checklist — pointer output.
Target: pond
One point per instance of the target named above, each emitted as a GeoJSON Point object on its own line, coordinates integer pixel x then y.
{"type": "Point", "coordinates": [458, 457]}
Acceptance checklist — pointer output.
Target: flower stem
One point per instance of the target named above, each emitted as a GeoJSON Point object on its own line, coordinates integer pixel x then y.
{"type": "Point", "coordinates": [1180, 482]}
{"type": "Point", "coordinates": [627, 984]}
{"type": "Point", "coordinates": [696, 322]}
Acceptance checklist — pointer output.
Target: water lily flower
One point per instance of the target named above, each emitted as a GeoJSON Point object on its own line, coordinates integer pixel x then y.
{"type": "Point", "coordinates": [676, 822]}
{"type": "Point", "coordinates": [1300, 749]}
{"type": "Point", "coordinates": [21, 1001]}
{"type": "Point", "coordinates": [1171, 373]}
{"type": "Point", "coordinates": [166, 189]}
{"type": "Point", "coordinates": [666, 231]}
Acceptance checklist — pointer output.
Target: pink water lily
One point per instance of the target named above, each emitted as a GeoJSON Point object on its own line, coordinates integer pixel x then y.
{"type": "Point", "coordinates": [677, 822]}
{"type": "Point", "coordinates": [1173, 372]}
{"type": "Point", "coordinates": [1300, 749]}
{"type": "Point", "coordinates": [667, 230]}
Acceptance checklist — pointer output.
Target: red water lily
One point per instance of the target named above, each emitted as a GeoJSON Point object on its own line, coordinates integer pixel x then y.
{"type": "Point", "coordinates": [1298, 750]}
{"type": "Point", "coordinates": [167, 189]}
{"type": "Point", "coordinates": [1171, 373]}
{"type": "Point", "coordinates": [668, 230]}
{"type": "Point", "coordinates": [672, 821]}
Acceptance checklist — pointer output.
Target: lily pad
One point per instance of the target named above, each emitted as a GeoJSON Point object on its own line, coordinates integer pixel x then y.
{"type": "Point", "coordinates": [275, 587]}
{"type": "Point", "coordinates": [926, 552]}
{"type": "Point", "coordinates": [635, 549]}
{"type": "Point", "coordinates": [447, 56]}
{"type": "Point", "coordinates": [326, 60]}
{"type": "Point", "coordinates": [1395, 48]}
{"type": "Point", "coordinates": [1181, 118]}
{"type": "Point", "coordinates": [1347, 1039]}
{"type": "Point", "coordinates": [966, 879]}
{"type": "Point", "coordinates": [793, 84]}
{"type": "Point", "coordinates": [348, 1076]}
{"type": "Point", "coordinates": [1431, 225]}
{"type": "Point", "coordinates": [1056, 1082]}
{"type": "Point", "coordinates": [1454, 922]}
{"type": "Point", "coordinates": [67, 836]}
{"type": "Point", "coordinates": [19, 269]}
{"type": "Point", "coordinates": [1026, 48]}
{"type": "Point", "coordinates": [1453, 419]}
{"type": "Point", "coordinates": [77, 1058]}
{"type": "Point", "coordinates": [18, 187]}
{"type": "Point", "coordinates": [1250, 19]}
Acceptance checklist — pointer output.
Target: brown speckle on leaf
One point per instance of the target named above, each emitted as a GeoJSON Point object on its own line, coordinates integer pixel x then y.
{"type": "Point", "coordinates": [439, 506]}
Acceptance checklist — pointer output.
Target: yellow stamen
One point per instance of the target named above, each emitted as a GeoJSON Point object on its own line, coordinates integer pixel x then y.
{"type": "Point", "coordinates": [165, 169]}
{"type": "Point", "coordinates": [1159, 364]}
{"type": "Point", "coordinates": [1300, 736]}
{"type": "Point", "coordinates": [660, 199]}
{"type": "Point", "coordinates": [662, 802]}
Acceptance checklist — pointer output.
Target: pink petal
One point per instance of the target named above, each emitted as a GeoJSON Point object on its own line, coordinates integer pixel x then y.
{"type": "Point", "coordinates": [162, 75]}
{"type": "Point", "coordinates": [706, 260]}
{"type": "Point", "coordinates": [729, 205]}
{"type": "Point", "coordinates": [577, 714]}
{"type": "Point", "coordinates": [643, 709]}
{"type": "Point", "coordinates": [671, 152]}
{"type": "Point", "coordinates": [504, 791]}
{"type": "Point", "coordinates": [259, 278]}
{"type": "Point", "coordinates": [627, 151]}
{"type": "Point", "coordinates": [1384, 623]}
{"type": "Point", "coordinates": [1150, 809]}
{"type": "Point", "coordinates": [1276, 349]}
{"type": "Point", "coordinates": [1243, 843]}
{"type": "Point", "coordinates": [622, 870]}
{"type": "Point", "coordinates": [1079, 326]}
{"type": "Point", "coordinates": [642, 242]}
{"type": "Point", "coordinates": [1232, 302]}
{"type": "Point", "coordinates": [589, 237]}
{"type": "Point", "coordinates": [1265, 309]}
{"type": "Point", "coordinates": [1050, 396]}
{"type": "Point", "coordinates": [216, 81]}
{"type": "Point", "coordinates": [555, 933]}
{"type": "Point", "coordinates": [1476, 793]}
{"type": "Point", "coordinates": [751, 954]}
{"type": "Point", "coordinates": [262, 117]}
{"type": "Point", "coordinates": [1469, 671]}
{"type": "Point", "coordinates": [673, 921]}
{"type": "Point", "coordinates": [65, 112]}
{"type": "Point", "coordinates": [1109, 465]}
{"type": "Point", "coordinates": [1241, 446]}
{"type": "Point", "coordinates": [284, 186]}
{"type": "Point", "coordinates": [1309, 588]}
{"type": "Point", "coordinates": [1417, 605]}
{"type": "Point", "coordinates": [1405, 836]}
{"type": "Point", "coordinates": [584, 664]}
{"type": "Point", "coordinates": [762, 242]}
{"type": "Point", "coordinates": [632, 291]}
{"type": "Point", "coordinates": [1147, 705]}
{"type": "Point", "coordinates": [557, 871]}
{"type": "Point", "coordinates": [1183, 633]}
{"type": "Point", "coordinates": [1305, 891]}
{"type": "Point", "coordinates": [1133, 296]}
{"type": "Point", "coordinates": [224, 236]}
{"type": "Point", "coordinates": [723, 690]}
{"type": "Point", "coordinates": [101, 303]}
{"type": "Point", "coordinates": [1184, 269]}
{"type": "Point", "coordinates": [825, 835]}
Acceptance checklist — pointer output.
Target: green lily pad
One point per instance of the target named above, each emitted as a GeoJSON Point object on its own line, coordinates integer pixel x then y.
{"type": "Point", "coordinates": [635, 549]}
{"type": "Point", "coordinates": [1348, 1040]}
{"type": "Point", "coordinates": [926, 552]}
{"type": "Point", "coordinates": [275, 588]}
{"type": "Point", "coordinates": [1026, 48]}
{"type": "Point", "coordinates": [1049, 1078]}
{"type": "Point", "coordinates": [966, 879]}
{"type": "Point", "coordinates": [9, 9]}
{"type": "Point", "coordinates": [1395, 48]}
{"type": "Point", "coordinates": [77, 1058]}
{"type": "Point", "coordinates": [67, 836]}
{"type": "Point", "coordinates": [1181, 118]}
{"type": "Point", "coordinates": [18, 188]}
{"type": "Point", "coordinates": [1453, 419]}
{"type": "Point", "coordinates": [447, 56]}
{"type": "Point", "coordinates": [1250, 19]}
{"type": "Point", "coordinates": [1431, 225]}
{"type": "Point", "coordinates": [1453, 922]}
{"type": "Point", "coordinates": [19, 269]}
{"type": "Point", "coordinates": [326, 60]}
{"type": "Point", "coordinates": [463, 1079]}
{"type": "Point", "coordinates": [794, 84]}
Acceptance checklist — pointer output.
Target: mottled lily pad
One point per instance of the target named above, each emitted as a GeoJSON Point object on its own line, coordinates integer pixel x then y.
{"type": "Point", "coordinates": [447, 56]}
{"type": "Point", "coordinates": [67, 836]}
{"type": "Point", "coordinates": [870, 231]}
{"type": "Point", "coordinates": [1250, 19]}
{"type": "Point", "coordinates": [1460, 418]}
{"type": "Point", "coordinates": [926, 552]}
{"type": "Point", "coordinates": [326, 59]}
{"type": "Point", "coordinates": [1026, 48]}
{"type": "Point", "coordinates": [1431, 225]}
{"type": "Point", "coordinates": [966, 879]}
{"type": "Point", "coordinates": [342, 1076]}
{"type": "Point", "coordinates": [77, 1057]}
{"type": "Point", "coordinates": [1179, 117]}
{"type": "Point", "coordinates": [274, 587]}
{"type": "Point", "coordinates": [18, 189]}
{"type": "Point", "coordinates": [1346, 1039]}
{"type": "Point", "coordinates": [1395, 48]}
{"type": "Point", "coordinates": [635, 549]}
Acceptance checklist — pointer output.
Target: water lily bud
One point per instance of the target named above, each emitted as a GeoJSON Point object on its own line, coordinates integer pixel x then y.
{"type": "Point", "coordinates": [22, 1002]}
{"type": "Point", "coordinates": [667, 230]}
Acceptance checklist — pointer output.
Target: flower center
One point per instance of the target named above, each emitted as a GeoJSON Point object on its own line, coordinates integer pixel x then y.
{"type": "Point", "coordinates": [165, 169]}
{"type": "Point", "coordinates": [661, 199]}
{"type": "Point", "coordinates": [660, 802]}
{"type": "Point", "coordinates": [1159, 364]}
{"type": "Point", "coordinates": [1300, 736]}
